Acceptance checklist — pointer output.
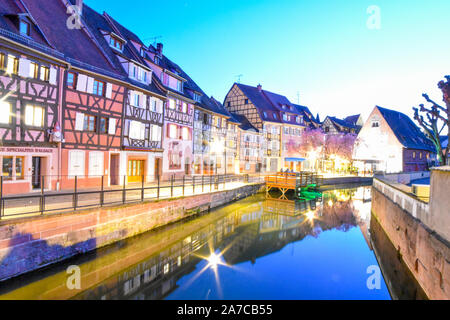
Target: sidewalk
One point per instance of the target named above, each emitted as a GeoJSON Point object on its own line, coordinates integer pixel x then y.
{"type": "Point", "coordinates": [27, 205]}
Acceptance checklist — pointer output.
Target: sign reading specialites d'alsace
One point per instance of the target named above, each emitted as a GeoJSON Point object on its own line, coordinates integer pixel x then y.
{"type": "Point", "coordinates": [26, 150]}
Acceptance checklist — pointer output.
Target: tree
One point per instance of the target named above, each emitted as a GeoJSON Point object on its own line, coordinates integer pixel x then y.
{"type": "Point", "coordinates": [435, 116]}
{"type": "Point", "coordinates": [340, 145]}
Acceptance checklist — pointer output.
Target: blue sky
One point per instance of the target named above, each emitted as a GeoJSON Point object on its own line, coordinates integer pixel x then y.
{"type": "Point", "coordinates": [320, 49]}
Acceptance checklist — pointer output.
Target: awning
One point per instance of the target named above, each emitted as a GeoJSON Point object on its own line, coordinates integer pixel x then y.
{"type": "Point", "coordinates": [294, 159]}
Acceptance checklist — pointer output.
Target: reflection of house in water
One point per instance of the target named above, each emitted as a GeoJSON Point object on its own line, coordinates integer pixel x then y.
{"type": "Point", "coordinates": [243, 235]}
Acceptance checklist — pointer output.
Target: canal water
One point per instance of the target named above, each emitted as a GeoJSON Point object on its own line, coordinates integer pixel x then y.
{"type": "Point", "coordinates": [251, 249]}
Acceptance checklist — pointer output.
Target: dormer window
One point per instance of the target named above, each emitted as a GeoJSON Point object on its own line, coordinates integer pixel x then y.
{"type": "Point", "coordinates": [157, 60]}
{"type": "Point", "coordinates": [24, 27]}
{"type": "Point", "coordinates": [197, 97]}
{"type": "Point", "coordinates": [115, 43]}
{"type": "Point", "coordinates": [179, 85]}
{"type": "Point", "coordinates": [142, 52]}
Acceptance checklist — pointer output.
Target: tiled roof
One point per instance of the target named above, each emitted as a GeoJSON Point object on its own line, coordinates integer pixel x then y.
{"type": "Point", "coordinates": [352, 119]}
{"type": "Point", "coordinates": [51, 16]}
{"type": "Point", "coordinates": [219, 108]}
{"type": "Point", "coordinates": [409, 135]}
{"type": "Point", "coordinates": [98, 23]}
{"type": "Point", "coordinates": [245, 124]}
{"type": "Point", "coordinates": [343, 123]}
{"type": "Point", "coordinates": [265, 108]}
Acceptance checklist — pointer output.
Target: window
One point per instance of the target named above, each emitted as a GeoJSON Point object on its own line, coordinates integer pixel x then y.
{"type": "Point", "coordinates": [229, 104]}
{"type": "Point", "coordinates": [142, 52]}
{"type": "Point", "coordinates": [71, 80]}
{"type": "Point", "coordinates": [275, 116]}
{"type": "Point", "coordinates": [7, 168]}
{"type": "Point", "coordinates": [34, 116]}
{"type": "Point", "coordinates": [265, 114]}
{"type": "Point", "coordinates": [156, 133]}
{"type": "Point", "coordinates": [375, 124]}
{"type": "Point", "coordinates": [414, 155]}
{"type": "Point", "coordinates": [2, 61]}
{"type": "Point", "coordinates": [5, 112]}
{"type": "Point", "coordinates": [89, 123]}
{"type": "Point", "coordinates": [420, 156]}
{"type": "Point", "coordinates": [185, 133]}
{"type": "Point", "coordinates": [171, 104]}
{"type": "Point", "coordinates": [115, 43]}
{"type": "Point", "coordinates": [246, 101]}
{"type": "Point", "coordinates": [13, 65]}
{"type": "Point", "coordinates": [184, 107]}
{"type": "Point", "coordinates": [179, 85]}
{"type": "Point", "coordinates": [19, 168]}
{"type": "Point", "coordinates": [137, 130]}
{"type": "Point", "coordinates": [156, 59]}
{"type": "Point", "coordinates": [103, 125]}
{"type": "Point", "coordinates": [172, 131]}
{"type": "Point", "coordinates": [45, 73]}
{"type": "Point", "coordinates": [99, 88]}
{"type": "Point", "coordinates": [285, 117]}
{"type": "Point", "coordinates": [24, 27]}
{"type": "Point", "coordinates": [34, 69]}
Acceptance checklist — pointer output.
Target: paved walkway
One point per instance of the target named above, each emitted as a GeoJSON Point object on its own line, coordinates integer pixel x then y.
{"type": "Point", "coordinates": [64, 201]}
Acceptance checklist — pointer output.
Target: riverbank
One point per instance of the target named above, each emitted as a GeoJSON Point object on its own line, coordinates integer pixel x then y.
{"type": "Point", "coordinates": [418, 230]}
{"type": "Point", "coordinates": [29, 244]}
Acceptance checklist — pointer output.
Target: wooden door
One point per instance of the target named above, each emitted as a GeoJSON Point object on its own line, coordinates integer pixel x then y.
{"type": "Point", "coordinates": [114, 170]}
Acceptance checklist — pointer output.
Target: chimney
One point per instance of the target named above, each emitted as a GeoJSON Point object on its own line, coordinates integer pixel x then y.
{"type": "Point", "coordinates": [159, 48]}
{"type": "Point", "coordinates": [259, 87]}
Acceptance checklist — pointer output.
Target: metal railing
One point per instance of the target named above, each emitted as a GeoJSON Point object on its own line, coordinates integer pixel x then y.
{"type": "Point", "coordinates": [80, 197]}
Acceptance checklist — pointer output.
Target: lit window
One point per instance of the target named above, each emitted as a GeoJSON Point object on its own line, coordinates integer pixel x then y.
{"type": "Point", "coordinates": [45, 73]}
{"type": "Point", "coordinates": [171, 104]}
{"type": "Point", "coordinates": [184, 107]}
{"type": "Point", "coordinates": [34, 69]}
{"type": "Point", "coordinates": [5, 112]}
{"type": "Point", "coordinates": [71, 80]}
{"type": "Point", "coordinates": [34, 116]}
{"type": "Point", "coordinates": [89, 123]}
{"type": "Point", "coordinates": [414, 155]}
{"type": "Point", "coordinates": [172, 131]}
{"type": "Point", "coordinates": [99, 88]}
{"type": "Point", "coordinates": [24, 27]}
{"type": "Point", "coordinates": [185, 133]}
{"type": "Point", "coordinates": [13, 65]}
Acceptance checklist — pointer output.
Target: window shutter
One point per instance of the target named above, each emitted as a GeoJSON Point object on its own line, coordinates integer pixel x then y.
{"type": "Point", "coordinates": [144, 101]}
{"type": "Point", "coordinates": [160, 106]}
{"type": "Point", "coordinates": [79, 121]}
{"type": "Point", "coordinates": [112, 126]}
{"type": "Point", "coordinates": [53, 75]}
{"type": "Point", "coordinates": [142, 131]}
{"type": "Point", "coordinates": [24, 68]}
{"type": "Point", "coordinates": [90, 85]}
{"type": "Point", "coordinates": [81, 83]}
{"type": "Point", "coordinates": [109, 90]}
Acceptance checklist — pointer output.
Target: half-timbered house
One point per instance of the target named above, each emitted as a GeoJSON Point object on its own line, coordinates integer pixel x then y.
{"type": "Point", "coordinates": [142, 149]}
{"type": "Point", "coordinates": [269, 113]}
{"type": "Point", "coordinates": [92, 98]}
{"type": "Point", "coordinates": [30, 72]}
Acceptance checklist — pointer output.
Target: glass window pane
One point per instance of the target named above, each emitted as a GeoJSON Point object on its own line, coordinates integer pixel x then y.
{"type": "Point", "coordinates": [38, 116]}
{"type": "Point", "coordinates": [19, 168]}
{"type": "Point", "coordinates": [7, 167]}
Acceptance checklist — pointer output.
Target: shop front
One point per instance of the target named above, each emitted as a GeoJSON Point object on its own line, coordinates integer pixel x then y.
{"type": "Point", "coordinates": [28, 169]}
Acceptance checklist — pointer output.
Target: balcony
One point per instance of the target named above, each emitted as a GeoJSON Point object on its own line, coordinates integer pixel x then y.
{"type": "Point", "coordinates": [179, 117]}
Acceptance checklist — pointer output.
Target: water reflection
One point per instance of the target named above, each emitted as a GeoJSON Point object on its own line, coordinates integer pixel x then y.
{"type": "Point", "coordinates": [253, 249]}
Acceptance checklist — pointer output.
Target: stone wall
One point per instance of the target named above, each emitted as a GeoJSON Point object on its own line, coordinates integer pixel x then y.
{"type": "Point", "coordinates": [33, 243]}
{"type": "Point", "coordinates": [404, 178]}
{"type": "Point", "coordinates": [425, 253]}
{"type": "Point", "coordinates": [439, 220]}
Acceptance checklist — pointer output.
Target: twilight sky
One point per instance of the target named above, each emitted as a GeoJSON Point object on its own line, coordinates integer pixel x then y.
{"type": "Point", "coordinates": [321, 49]}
